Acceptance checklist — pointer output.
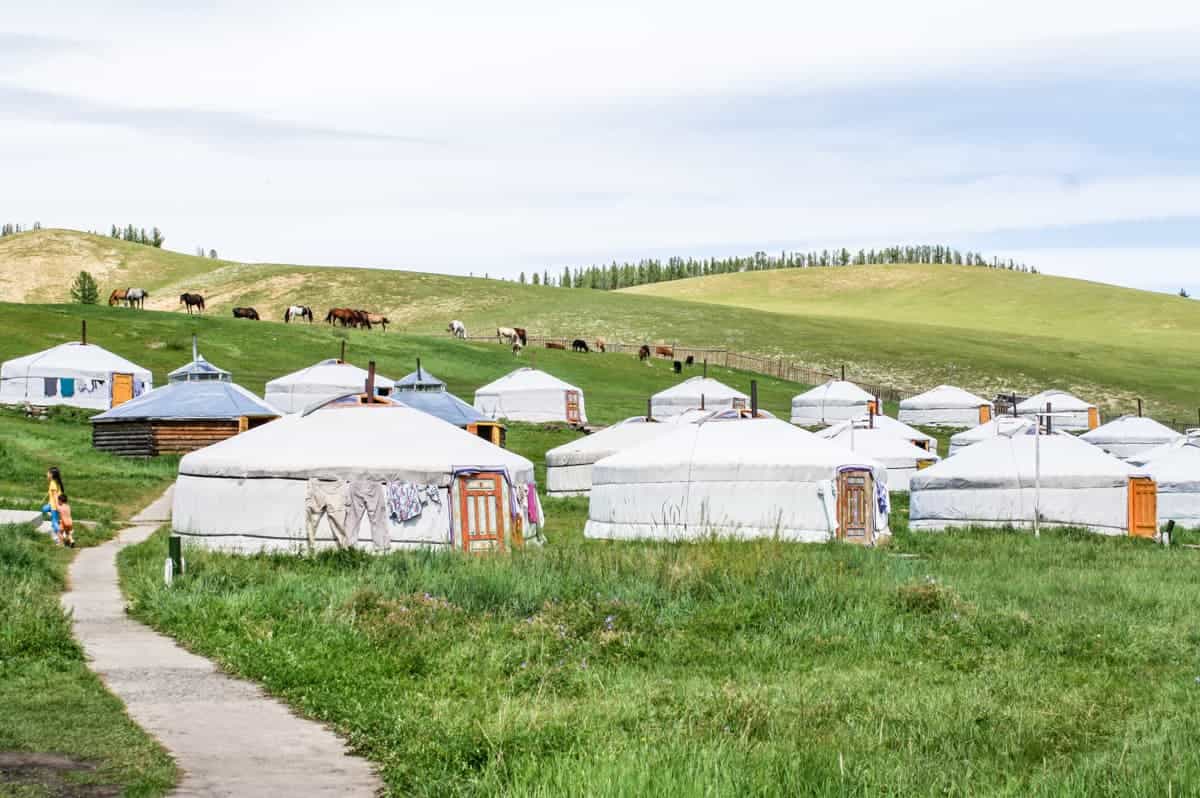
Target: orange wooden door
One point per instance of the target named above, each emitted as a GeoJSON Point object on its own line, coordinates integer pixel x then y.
{"type": "Point", "coordinates": [1143, 507]}
{"type": "Point", "coordinates": [482, 512]}
{"type": "Point", "coordinates": [1093, 418]}
{"type": "Point", "coordinates": [985, 414]}
{"type": "Point", "coordinates": [572, 407]}
{"type": "Point", "coordinates": [856, 517]}
{"type": "Point", "coordinates": [122, 388]}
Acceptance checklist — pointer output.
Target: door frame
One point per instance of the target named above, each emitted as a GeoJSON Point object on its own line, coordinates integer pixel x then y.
{"type": "Point", "coordinates": [465, 495]}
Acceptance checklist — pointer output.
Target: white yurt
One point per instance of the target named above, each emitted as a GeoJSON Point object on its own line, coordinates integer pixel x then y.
{"type": "Point", "coordinates": [901, 457]}
{"type": "Point", "coordinates": [75, 374]}
{"type": "Point", "coordinates": [1005, 426]}
{"type": "Point", "coordinates": [1176, 473]}
{"type": "Point", "coordinates": [998, 482]}
{"type": "Point", "coordinates": [703, 393]}
{"type": "Point", "coordinates": [738, 478]}
{"type": "Point", "coordinates": [295, 392]}
{"type": "Point", "coordinates": [897, 428]}
{"type": "Point", "coordinates": [1129, 435]}
{"type": "Point", "coordinates": [440, 486]}
{"type": "Point", "coordinates": [1070, 412]}
{"type": "Point", "coordinates": [1143, 456]}
{"type": "Point", "coordinates": [946, 406]}
{"type": "Point", "coordinates": [569, 467]}
{"type": "Point", "coordinates": [836, 400]}
{"type": "Point", "coordinates": [528, 394]}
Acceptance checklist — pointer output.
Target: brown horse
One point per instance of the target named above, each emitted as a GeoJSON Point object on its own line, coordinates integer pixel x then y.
{"type": "Point", "coordinates": [644, 352]}
{"type": "Point", "coordinates": [246, 313]}
{"type": "Point", "coordinates": [520, 331]}
{"type": "Point", "coordinates": [556, 345]}
{"type": "Point", "coordinates": [192, 301]}
{"type": "Point", "coordinates": [118, 295]}
{"type": "Point", "coordinates": [377, 319]}
{"type": "Point", "coordinates": [665, 351]}
{"type": "Point", "coordinates": [344, 316]}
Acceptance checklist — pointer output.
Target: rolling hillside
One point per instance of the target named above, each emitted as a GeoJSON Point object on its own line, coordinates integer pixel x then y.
{"type": "Point", "coordinates": [911, 327]}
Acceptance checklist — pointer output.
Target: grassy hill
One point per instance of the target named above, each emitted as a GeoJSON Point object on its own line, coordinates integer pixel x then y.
{"type": "Point", "coordinates": [911, 327]}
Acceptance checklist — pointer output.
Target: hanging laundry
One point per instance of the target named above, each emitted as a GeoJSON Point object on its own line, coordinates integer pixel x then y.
{"type": "Point", "coordinates": [68, 387]}
{"type": "Point", "coordinates": [327, 499]}
{"type": "Point", "coordinates": [139, 388]}
{"type": "Point", "coordinates": [49, 386]}
{"type": "Point", "coordinates": [534, 511]}
{"type": "Point", "coordinates": [370, 498]}
{"type": "Point", "coordinates": [403, 501]}
{"type": "Point", "coordinates": [430, 494]}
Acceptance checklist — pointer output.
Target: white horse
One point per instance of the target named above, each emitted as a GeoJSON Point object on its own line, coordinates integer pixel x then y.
{"type": "Point", "coordinates": [298, 312]}
{"type": "Point", "coordinates": [457, 329]}
{"type": "Point", "coordinates": [136, 297]}
{"type": "Point", "coordinates": [507, 334]}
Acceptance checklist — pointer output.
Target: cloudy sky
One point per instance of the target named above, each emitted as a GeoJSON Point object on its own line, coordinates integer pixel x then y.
{"type": "Point", "coordinates": [484, 137]}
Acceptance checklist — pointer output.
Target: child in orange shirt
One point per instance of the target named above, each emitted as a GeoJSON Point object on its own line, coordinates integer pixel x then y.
{"type": "Point", "coordinates": [66, 527]}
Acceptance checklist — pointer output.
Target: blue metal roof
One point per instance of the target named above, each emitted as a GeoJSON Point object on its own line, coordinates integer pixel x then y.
{"type": "Point", "coordinates": [420, 380]}
{"type": "Point", "coordinates": [198, 370]}
{"type": "Point", "coordinates": [205, 399]}
{"type": "Point", "coordinates": [441, 404]}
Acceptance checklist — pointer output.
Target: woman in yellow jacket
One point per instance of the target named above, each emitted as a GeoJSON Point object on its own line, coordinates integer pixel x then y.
{"type": "Point", "coordinates": [54, 489]}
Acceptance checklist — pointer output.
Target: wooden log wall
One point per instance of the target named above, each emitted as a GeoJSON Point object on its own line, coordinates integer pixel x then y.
{"type": "Point", "coordinates": [152, 438]}
{"type": "Point", "coordinates": [126, 438]}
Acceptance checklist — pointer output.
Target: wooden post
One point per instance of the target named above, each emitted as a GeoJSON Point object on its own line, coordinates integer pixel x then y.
{"type": "Point", "coordinates": [753, 398]}
{"type": "Point", "coordinates": [83, 332]}
{"type": "Point", "coordinates": [1139, 401]}
{"type": "Point", "coordinates": [843, 372]}
{"type": "Point", "coordinates": [701, 401]}
{"type": "Point", "coordinates": [870, 418]}
{"type": "Point", "coordinates": [419, 377]}
{"type": "Point", "coordinates": [342, 359]}
{"type": "Point", "coordinates": [649, 408]}
{"type": "Point", "coordinates": [706, 368]}
{"type": "Point", "coordinates": [370, 388]}
{"type": "Point", "coordinates": [1049, 421]}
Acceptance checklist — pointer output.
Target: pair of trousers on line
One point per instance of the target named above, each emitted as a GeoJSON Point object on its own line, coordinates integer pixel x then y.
{"type": "Point", "coordinates": [345, 504]}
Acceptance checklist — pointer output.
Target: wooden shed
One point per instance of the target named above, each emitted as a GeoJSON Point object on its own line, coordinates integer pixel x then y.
{"type": "Point", "coordinates": [199, 406]}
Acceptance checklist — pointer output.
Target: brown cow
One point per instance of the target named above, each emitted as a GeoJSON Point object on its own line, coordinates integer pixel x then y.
{"type": "Point", "coordinates": [665, 351]}
{"type": "Point", "coordinates": [644, 352]}
{"type": "Point", "coordinates": [556, 345]}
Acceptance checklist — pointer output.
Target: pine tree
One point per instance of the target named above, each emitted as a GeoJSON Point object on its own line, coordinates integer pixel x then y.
{"type": "Point", "coordinates": [84, 290]}
{"type": "Point", "coordinates": [521, 279]}
{"type": "Point", "coordinates": [537, 279]}
{"type": "Point", "coordinates": [157, 239]}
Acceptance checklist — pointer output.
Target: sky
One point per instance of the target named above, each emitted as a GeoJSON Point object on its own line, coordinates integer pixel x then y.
{"type": "Point", "coordinates": [493, 138]}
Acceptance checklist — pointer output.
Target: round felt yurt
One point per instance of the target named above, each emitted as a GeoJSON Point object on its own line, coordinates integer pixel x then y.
{"type": "Point", "coordinates": [901, 458]}
{"type": "Point", "coordinates": [199, 406]}
{"type": "Point", "coordinates": [836, 400]}
{"type": "Point", "coordinates": [1127, 436]}
{"type": "Point", "coordinates": [946, 406]}
{"type": "Point", "coordinates": [528, 394]}
{"type": "Point", "coordinates": [74, 374]}
{"type": "Point", "coordinates": [1005, 426]}
{"type": "Point", "coordinates": [295, 392]}
{"type": "Point", "coordinates": [697, 393]}
{"type": "Point", "coordinates": [1069, 411]}
{"type": "Point", "coordinates": [738, 478]}
{"type": "Point", "coordinates": [569, 467]}
{"type": "Point", "coordinates": [1000, 482]}
{"type": "Point", "coordinates": [1176, 473]}
{"type": "Point", "coordinates": [350, 474]}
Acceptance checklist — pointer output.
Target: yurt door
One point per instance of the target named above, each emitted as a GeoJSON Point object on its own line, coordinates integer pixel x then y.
{"type": "Point", "coordinates": [856, 495]}
{"type": "Point", "coordinates": [482, 511]}
{"type": "Point", "coordinates": [122, 388]}
{"type": "Point", "coordinates": [1143, 507]}
{"type": "Point", "coordinates": [985, 414]}
{"type": "Point", "coordinates": [572, 407]}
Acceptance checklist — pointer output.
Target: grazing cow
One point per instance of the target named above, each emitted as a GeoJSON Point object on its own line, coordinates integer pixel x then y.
{"type": "Point", "coordinates": [556, 345]}
{"type": "Point", "coordinates": [601, 345]}
{"type": "Point", "coordinates": [516, 347]}
{"type": "Point", "coordinates": [644, 352]}
{"type": "Point", "coordinates": [136, 297]}
{"type": "Point", "coordinates": [118, 295]}
{"type": "Point", "coordinates": [245, 313]}
{"type": "Point", "coordinates": [677, 367]}
{"type": "Point", "coordinates": [579, 345]}
{"type": "Point", "coordinates": [378, 319]}
{"type": "Point", "coordinates": [691, 360]}
{"type": "Point", "coordinates": [665, 351]}
{"type": "Point", "coordinates": [457, 329]}
{"type": "Point", "coordinates": [520, 331]}
{"type": "Point", "coordinates": [298, 312]}
{"type": "Point", "coordinates": [192, 301]}
{"type": "Point", "coordinates": [507, 334]}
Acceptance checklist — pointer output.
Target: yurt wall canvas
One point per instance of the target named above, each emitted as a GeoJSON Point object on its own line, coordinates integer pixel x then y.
{"type": "Point", "coordinates": [1176, 473]}
{"type": "Point", "coordinates": [73, 374]}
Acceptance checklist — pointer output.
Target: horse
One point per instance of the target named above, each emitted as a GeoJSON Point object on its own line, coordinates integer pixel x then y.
{"type": "Point", "coordinates": [507, 334]}
{"type": "Point", "coordinates": [644, 352]}
{"type": "Point", "coordinates": [556, 345]}
{"type": "Point", "coordinates": [579, 345]}
{"type": "Point", "coordinates": [691, 360]}
{"type": "Point", "coordinates": [298, 312]}
{"type": "Point", "coordinates": [245, 313]}
{"type": "Point", "coordinates": [377, 318]}
{"type": "Point", "coordinates": [516, 348]}
{"type": "Point", "coordinates": [344, 316]}
{"type": "Point", "coordinates": [192, 301]}
{"type": "Point", "coordinates": [520, 331]}
{"type": "Point", "coordinates": [665, 351]}
{"type": "Point", "coordinates": [601, 345]}
{"type": "Point", "coordinates": [136, 297]}
{"type": "Point", "coordinates": [118, 295]}
{"type": "Point", "coordinates": [457, 329]}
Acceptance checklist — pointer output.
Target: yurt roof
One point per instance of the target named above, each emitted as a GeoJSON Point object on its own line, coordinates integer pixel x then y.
{"type": "Point", "coordinates": [329, 374]}
{"type": "Point", "coordinates": [943, 396]}
{"type": "Point", "coordinates": [205, 399]}
{"type": "Point", "coordinates": [1152, 453]}
{"type": "Point", "coordinates": [1009, 462]}
{"type": "Point", "coordinates": [526, 379]}
{"type": "Point", "coordinates": [894, 426]}
{"type": "Point", "coordinates": [198, 369]}
{"type": "Point", "coordinates": [879, 443]}
{"type": "Point", "coordinates": [419, 380]}
{"type": "Point", "coordinates": [607, 441]}
{"type": "Point", "coordinates": [1131, 430]}
{"type": "Point", "coordinates": [1000, 426]}
{"type": "Point", "coordinates": [442, 404]}
{"type": "Point", "coordinates": [1060, 402]}
{"type": "Point", "coordinates": [695, 387]}
{"type": "Point", "coordinates": [834, 392]}
{"type": "Point", "coordinates": [1177, 469]}
{"type": "Point", "coordinates": [736, 450]}
{"type": "Point", "coordinates": [384, 442]}
{"type": "Point", "coordinates": [72, 360]}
